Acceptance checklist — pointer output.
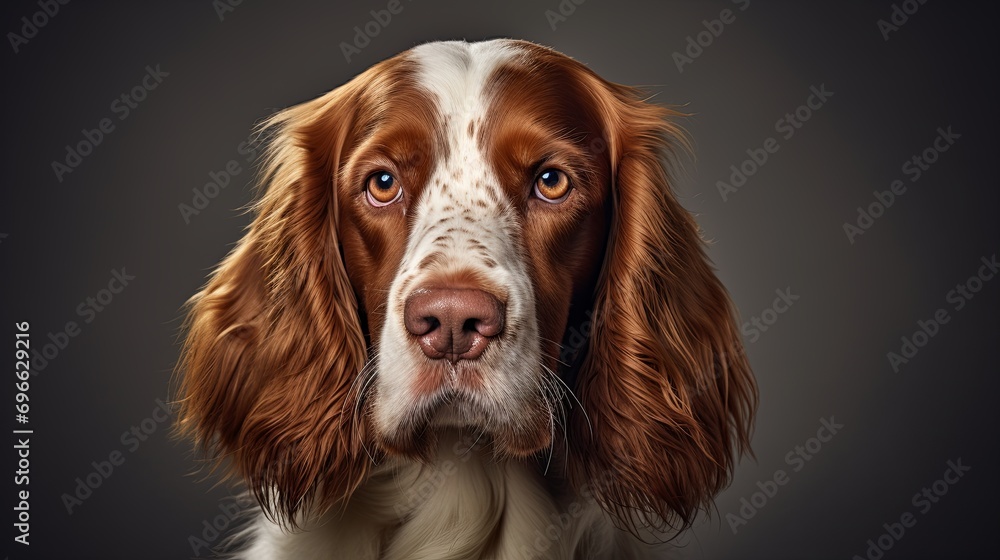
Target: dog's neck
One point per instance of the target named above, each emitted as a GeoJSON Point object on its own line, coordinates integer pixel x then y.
{"type": "Point", "coordinates": [463, 504]}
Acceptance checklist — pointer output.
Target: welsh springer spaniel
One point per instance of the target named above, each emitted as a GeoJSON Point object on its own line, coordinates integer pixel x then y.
{"type": "Point", "coordinates": [469, 320]}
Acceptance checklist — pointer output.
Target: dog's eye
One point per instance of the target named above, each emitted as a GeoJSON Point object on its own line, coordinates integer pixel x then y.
{"type": "Point", "coordinates": [552, 185]}
{"type": "Point", "coordinates": [382, 189]}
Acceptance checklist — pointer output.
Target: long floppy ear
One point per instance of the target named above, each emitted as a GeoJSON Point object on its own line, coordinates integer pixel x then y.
{"type": "Point", "coordinates": [273, 342]}
{"type": "Point", "coordinates": [667, 387]}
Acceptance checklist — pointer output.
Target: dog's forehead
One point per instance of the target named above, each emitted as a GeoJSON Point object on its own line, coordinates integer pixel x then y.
{"type": "Point", "coordinates": [457, 73]}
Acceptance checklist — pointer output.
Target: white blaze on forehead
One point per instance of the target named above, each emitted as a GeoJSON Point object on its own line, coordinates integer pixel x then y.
{"type": "Point", "coordinates": [456, 73]}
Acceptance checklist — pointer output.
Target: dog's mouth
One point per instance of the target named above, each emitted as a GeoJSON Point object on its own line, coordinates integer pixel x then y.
{"type": "Point", "coordinates": [457, 409]}
{"type": "Point", "coordinates": [441, 380]}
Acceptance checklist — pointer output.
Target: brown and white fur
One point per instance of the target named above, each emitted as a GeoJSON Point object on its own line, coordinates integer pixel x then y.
{"type": "Point", "coordinates": [469, 321]}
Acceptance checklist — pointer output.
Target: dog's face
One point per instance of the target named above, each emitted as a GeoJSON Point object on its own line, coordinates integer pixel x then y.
{"type": "Point", "coordinates": [428, 237]}
{"type": "Point", "coordinates": [469, 221]}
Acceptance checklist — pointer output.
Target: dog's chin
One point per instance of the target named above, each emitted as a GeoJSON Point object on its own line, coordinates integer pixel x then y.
{"type": "Point", "coordinates": [419, 437]}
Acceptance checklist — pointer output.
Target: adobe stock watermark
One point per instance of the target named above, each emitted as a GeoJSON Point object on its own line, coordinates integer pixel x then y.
{"type": "Point", "coordinates": [913, 168]}
{"type": "Point", "coordinates": [577, 336]}
{"type": "Point", "coordinates": [697, 43]}
{"type": "Point", "coordinates": [225, 7]}
{"type": "Point", "coordinates": [543, 538]}
{"type": "Point", "coordinates": [121, 106]}
{"type": "Point", "coordinates": [796, 459]}
{"type": "Point", "coordinates": [563, 523]}
{"type": "Point", "coordinates": [958, 297]}
{"type": "Point", "coordinates": [105, 467]}
{"type": "Point", "coordinates": [219, 180]}
{"type": "Point", "coordinates": [561, 14]}
{"type": "Point", "coordinates": [87, 311]}
{"type": "Point", "coordinates": [922, 502]}
{"type": "Point", "coordinates": [759, 325]}
{"type": "Point", "coordinates": [364, 33]}
{"type": "Point", "coordinates": [230, 511]}
{"type": "Point", "coordinates": [898, 16]}
{"type": "Point", "coordinates": [786, 126]}
{"type": "Point", "coordinates": [419, 494]}
{"type": "Point", "coordinates": [33, 23]}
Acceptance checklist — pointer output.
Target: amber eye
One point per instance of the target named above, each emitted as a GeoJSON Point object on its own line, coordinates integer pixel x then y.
{"type": "Point", "coordinates": [383, 189]}
{"type": "Point", "coordinates": [552, 185]}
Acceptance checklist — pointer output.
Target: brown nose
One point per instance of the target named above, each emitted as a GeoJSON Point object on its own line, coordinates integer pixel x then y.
{"type": "Point", "coordinates": [451, 323]}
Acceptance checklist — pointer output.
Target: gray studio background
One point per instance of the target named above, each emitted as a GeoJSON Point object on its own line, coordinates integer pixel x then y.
{"type": "Point", "coordinates": [825, 356]}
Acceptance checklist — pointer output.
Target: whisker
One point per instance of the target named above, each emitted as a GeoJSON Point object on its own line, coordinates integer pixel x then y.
{"type": "Point", "coordinates": [570, 392]}
{"type": "Point", "coordinates": [482, 432]}
{"type": "Point", "coordinates": [367, 373]}
{"type": "Point", "coordinates": [552, 436]}
{"type": "Point", "coordinates": [555, 357]}
{"type": "Point", "coordinates": [557, 343]}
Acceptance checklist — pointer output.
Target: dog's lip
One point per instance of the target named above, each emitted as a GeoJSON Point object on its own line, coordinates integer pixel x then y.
{"type": "Point", "coordinates": [443, 379]}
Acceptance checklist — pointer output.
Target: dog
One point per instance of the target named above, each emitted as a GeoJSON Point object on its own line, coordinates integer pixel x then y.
{"type": "Point", "coordinates": [469, 320]}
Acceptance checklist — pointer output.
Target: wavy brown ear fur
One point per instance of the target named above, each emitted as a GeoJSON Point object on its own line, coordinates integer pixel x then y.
{"type": "Point", "coordinates": [273, 342]}
{"type": "Point", "coordinates": [666, 384]}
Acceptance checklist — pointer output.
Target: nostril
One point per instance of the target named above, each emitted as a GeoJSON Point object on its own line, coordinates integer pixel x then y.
{"type": "Point", "coordinates": [452, 322]}
{"type": "Point", "coordinates": [488, 327]}
{"type": "Point", "coordinates": [419, 326]}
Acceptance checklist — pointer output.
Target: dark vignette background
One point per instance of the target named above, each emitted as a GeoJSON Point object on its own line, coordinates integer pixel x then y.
{"type": "Point", "coordinates": [823, 357]}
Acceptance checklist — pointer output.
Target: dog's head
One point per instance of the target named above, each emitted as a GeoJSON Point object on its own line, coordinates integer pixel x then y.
{"type": "Point", "coordinates": [476, 236]}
